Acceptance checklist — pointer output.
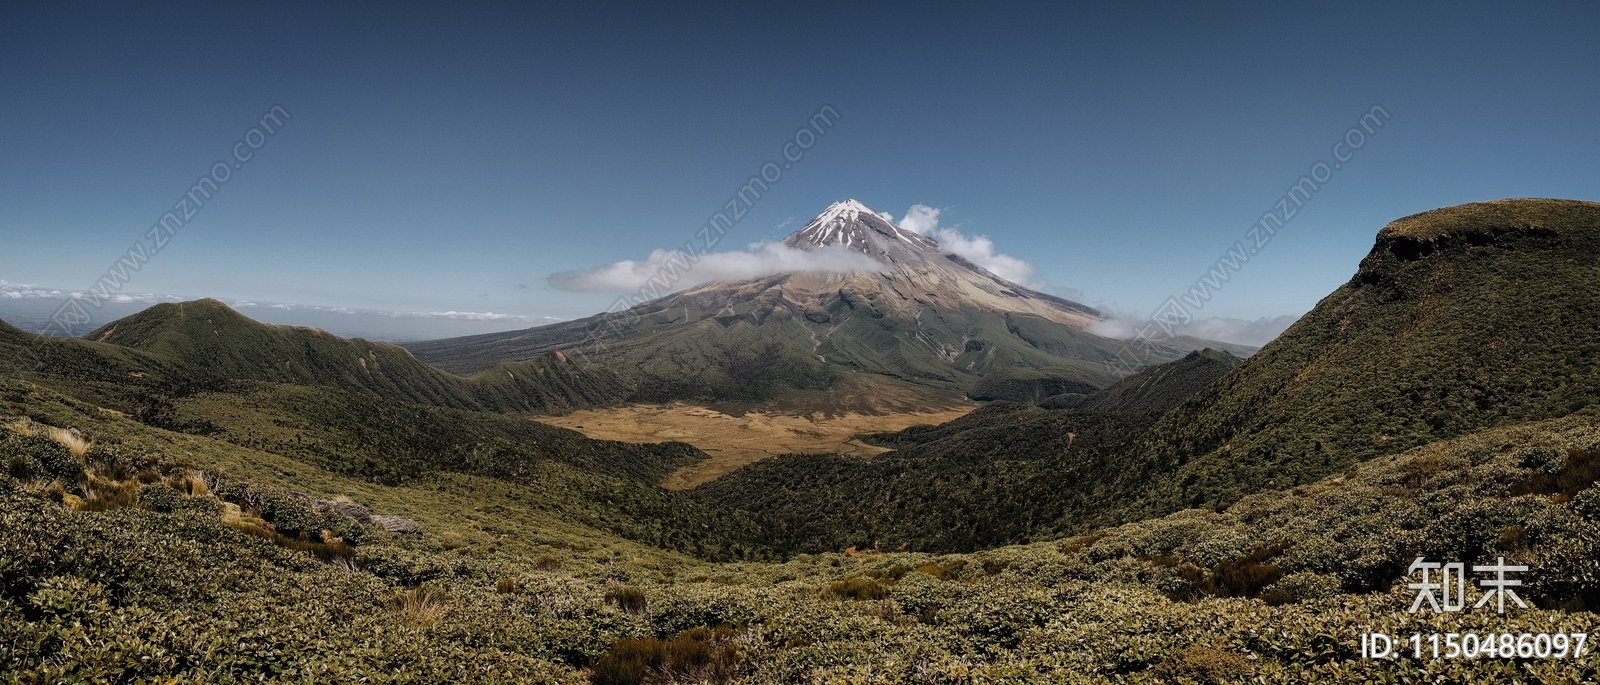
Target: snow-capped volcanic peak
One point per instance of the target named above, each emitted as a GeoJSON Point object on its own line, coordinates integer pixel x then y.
{"type": "Point", "coordinates": [841, 212]}
{"type": "Point", "coordinates": [860, 228]}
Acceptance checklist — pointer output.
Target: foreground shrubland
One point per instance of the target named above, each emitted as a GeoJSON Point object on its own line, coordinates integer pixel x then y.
{"type": "Point", "coordinates": [1276, 587]}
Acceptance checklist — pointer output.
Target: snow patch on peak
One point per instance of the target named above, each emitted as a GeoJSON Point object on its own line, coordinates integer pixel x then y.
{"type": "Point", "coordinates": [848, 210]}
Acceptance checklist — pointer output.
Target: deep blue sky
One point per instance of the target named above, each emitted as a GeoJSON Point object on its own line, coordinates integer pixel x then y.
{"type": "Point", "coordinates": [442, 154]}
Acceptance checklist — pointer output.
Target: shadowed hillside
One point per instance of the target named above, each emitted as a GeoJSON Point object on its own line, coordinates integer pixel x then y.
{"type": "Point", "coordinates": [1156, 390]}
{"type": "Point", "coordinates": [220, 343]}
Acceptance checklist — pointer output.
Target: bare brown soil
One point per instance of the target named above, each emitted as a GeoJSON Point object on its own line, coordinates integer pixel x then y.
{"type": "Point", "coordinates": [733, 441]}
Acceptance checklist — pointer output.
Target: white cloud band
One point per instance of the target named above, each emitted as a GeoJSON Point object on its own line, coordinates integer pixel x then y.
{"type": "Point", "coordinates": [761, 259]}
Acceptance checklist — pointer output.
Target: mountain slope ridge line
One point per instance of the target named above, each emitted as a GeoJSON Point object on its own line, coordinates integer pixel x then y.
{"type": "Point", "coordinates": [928, 321]}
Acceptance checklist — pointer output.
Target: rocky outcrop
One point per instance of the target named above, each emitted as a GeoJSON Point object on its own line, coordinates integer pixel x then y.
{"type": "Point", "coordinates": [396, 524]}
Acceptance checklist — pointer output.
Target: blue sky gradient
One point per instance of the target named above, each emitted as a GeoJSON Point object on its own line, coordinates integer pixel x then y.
{"type": "Point", "coordinates": [440, 156]}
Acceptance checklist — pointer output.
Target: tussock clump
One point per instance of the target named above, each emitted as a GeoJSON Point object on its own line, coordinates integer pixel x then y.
{"type": "Point", "coordinates": [1246, 576]}
{"type": "Point", "coordinates": [856, 589]}
{"type": "Point", "coordinates": [24, 427]}
{"type": "Point", "coordinates": [54, 493]}
{"type": "Point", "coordinates": [23, 467]}
{"type": "Point", "coordinates": [193, 485]}
{"type": "Point", "coordinates": [1203, 664]}
{"type": "Point", "coordinates": [102, 495]}
{"type": "Point", "coordinates": [1579, 471]}
{"type": "Point", "coordinates": [71, 439]}
{"type": "Point", "coordinates": [629, 599]}
{"type": "Point", "coordinates": [1082, 543]}
{"type": "Point", "coordinates": [422, 606]}
{"type": "Point", "coordinates": [697, 655]}
{"type": "Point", "coordinates": [337, 553]}
{"type": "Point", "coordinates": [942, 571]}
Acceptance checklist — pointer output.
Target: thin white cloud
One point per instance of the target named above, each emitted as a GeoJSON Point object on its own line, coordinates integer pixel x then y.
{"type": "Point", "coordinates": [924, 220]}
{"type": "Point", "coordinates": [451, 315]}
{"type": "Point", "coordinates": [28, 291]}
{"type": "Point", "coordinates": [474, 316]}
{"type": "Point", "coordinates": [1116, 328]}
{"type": "Point", "coordinates": [760, 260]}
{"type": "Point", "coordinates": [1258, 332]}
{"type": "Point", "coordinates": [1222, 329]}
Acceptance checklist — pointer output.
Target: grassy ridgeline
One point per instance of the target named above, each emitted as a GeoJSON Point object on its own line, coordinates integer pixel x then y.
{"type": "Point", "coordinates": [1461, 318]}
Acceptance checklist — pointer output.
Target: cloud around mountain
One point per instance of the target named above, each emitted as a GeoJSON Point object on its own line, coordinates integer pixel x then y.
{"type": "Point", "coordinates": [924, 220]}
{"type": "Point", "coordinates": [761, 259]}
{"type": "Point", "coordinates": [766, 258]}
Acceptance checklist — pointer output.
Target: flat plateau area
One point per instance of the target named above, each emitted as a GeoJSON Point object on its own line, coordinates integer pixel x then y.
{"type": "Point", "coordinates": [733, 441]}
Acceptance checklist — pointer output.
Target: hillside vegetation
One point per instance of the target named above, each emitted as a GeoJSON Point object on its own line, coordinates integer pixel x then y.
{"type": "Point", "coordinates": [604, 485]}
{"type": "Point", "coordinates": [1277, 588]}
{"type": "Point", "coordinates": [1459, 319]}
{"type": "Point", "coordinates": [1004, 474]}
{"type": "Point", "coordinates": [214, 343]}
{"type": "Point", "coordinates": [1492, 322]}
{"type": "Point", "coordinates": [1156, 390]}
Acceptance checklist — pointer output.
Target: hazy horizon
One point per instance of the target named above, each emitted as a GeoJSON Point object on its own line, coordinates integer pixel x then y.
{"type": "Point", "coordinates": [32, 313]}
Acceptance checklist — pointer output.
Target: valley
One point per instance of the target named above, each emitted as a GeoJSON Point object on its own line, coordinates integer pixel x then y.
{"type": "Point", "coordinates": [735, 441]}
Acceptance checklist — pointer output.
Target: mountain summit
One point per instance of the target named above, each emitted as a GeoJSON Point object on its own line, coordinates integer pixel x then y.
{"type": "Point", "coordinates": [918, 273]}
{"type": "Point", "coordinates": [858, 227]}
{"type": "Point", "coordinates": [923, 331]}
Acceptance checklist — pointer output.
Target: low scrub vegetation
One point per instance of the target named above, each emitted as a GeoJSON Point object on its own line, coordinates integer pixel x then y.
{"type": "Point", "coordinates": [1270, 590]}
